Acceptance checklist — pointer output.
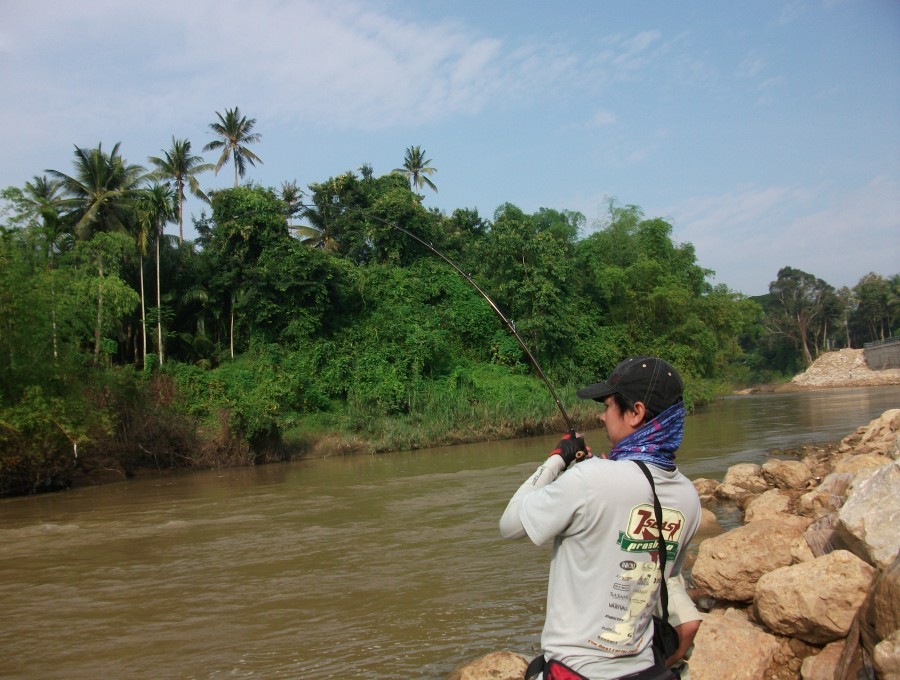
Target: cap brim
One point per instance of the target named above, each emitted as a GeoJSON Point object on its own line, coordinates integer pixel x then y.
{"type": "Point", "coordinates": [596, 391]}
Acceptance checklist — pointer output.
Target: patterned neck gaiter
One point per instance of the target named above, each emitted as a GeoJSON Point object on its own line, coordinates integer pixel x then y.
{"type": "Point", "coordinates": [654, 442]}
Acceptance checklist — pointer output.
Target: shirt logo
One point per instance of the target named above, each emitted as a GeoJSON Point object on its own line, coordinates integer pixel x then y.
{"type": "Point", "coordinates": [642, 532]}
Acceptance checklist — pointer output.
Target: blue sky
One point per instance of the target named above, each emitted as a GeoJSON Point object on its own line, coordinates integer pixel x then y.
{"type": "Point", "coordinates": [767, 133]}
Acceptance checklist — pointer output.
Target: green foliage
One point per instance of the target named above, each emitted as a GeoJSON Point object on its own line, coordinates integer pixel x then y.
{"type": "Point", "coordinates": [416, 168]}
{"type": "Point", "coordinates": [259, 393]}
{"type": "Point", "coordinates": [38, 434]}
{"type": "Point", "coordinates": [235, 132]}
{"type": "Point", "coordinates": [876, 312]}
{"type": "Point", "coordinates": [802, 307]}
{"type": "Point", "coordinates": [332, 314]}
{"type": "Point", "coordinates": [650, 296]}
{"type": "Point", "coordinates": [101, 194]}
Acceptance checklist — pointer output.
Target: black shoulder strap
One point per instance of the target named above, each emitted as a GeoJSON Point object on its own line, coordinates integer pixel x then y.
{"type": "Point", "coordinates": [657, 510]}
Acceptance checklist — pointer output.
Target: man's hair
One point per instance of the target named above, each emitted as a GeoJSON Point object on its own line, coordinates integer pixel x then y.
{"type": "Point", "coordinates": [624, 405]}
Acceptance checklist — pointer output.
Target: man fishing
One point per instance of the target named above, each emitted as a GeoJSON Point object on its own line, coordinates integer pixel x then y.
{"type": "Point", "coordinates": [604, 577]}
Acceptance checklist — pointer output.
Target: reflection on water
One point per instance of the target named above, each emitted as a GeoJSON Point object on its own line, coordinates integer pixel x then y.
{"type": "Point", "coordinates": [373, 566]}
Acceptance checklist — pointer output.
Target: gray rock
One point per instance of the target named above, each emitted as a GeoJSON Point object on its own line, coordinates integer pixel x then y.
{"type": "Point", "coordinates": [867, 522]}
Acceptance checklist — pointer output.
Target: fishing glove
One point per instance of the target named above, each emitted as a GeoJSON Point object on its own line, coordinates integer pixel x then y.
{"type": "Point", "coordinates": [569, 447]}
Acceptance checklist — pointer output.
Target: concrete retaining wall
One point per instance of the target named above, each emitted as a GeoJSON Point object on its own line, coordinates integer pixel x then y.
{"type": "Point", "coordinates": [880, 356]}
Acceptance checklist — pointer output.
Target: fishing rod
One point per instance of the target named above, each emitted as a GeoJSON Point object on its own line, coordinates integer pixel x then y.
{"type": "Point", "coordinates": [509, 324]}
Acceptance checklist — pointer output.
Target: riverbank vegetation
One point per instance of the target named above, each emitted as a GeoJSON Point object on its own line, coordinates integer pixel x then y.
{"type": "Point", "coordinates": [300, 322]}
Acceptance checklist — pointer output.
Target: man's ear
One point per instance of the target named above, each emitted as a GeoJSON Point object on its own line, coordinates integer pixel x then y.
{"type": "Point", "coordinates": [635, 416]}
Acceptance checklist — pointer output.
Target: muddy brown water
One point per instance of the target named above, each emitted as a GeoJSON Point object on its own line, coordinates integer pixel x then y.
{"type": "Point", "coordinates": [387, 566]}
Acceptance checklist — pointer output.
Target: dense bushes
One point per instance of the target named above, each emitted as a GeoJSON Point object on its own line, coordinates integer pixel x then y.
{"type": "Point", "coordinates": [266, 335]}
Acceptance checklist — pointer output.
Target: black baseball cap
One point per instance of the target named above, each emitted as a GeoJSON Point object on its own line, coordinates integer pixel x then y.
{"type": "Point", "coordinates": [646, 379]}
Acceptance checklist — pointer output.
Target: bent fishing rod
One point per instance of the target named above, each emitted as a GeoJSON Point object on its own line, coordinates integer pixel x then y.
{"type": "Point", "coordinates": [509, 324]}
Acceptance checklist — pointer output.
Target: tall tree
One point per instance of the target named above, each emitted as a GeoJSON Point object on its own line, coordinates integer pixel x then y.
{"type": "Point", "coordinates": [292, 196]}
{"type": "Point", "coordinates": [44, 196]}
{"type": "Point", "coordinates": [416, 169]}
{"type": "Point", "coordinates": [802, 306]}
{"type": "Point", "coordinates": [101, 194]}
{"type": "Point", "coordinates": [180, 165]}
{"type": "Point", "coordinates": [245, 222]}
{"type": "Point", "coordinates": [875, 314]}
{"type": "Point", "coordinates": [112, 298]}
{"type": "Point", "coordinates": [37, 209]}
{"type": "Point", "coordinates": [156, 207]}
{"type": "Point", "coordinates": [235, 132]}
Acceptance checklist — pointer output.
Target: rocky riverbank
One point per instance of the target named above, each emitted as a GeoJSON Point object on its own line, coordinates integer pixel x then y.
{"type": "Point", "coordinates": [845, 368]}
{"type": "Point", "coordinates": [808, 587]}
{"type": "Point", "coordinates": [841, 368]}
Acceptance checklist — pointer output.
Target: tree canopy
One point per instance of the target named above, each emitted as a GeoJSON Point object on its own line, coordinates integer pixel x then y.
{"type": "Point", "coordinates": [295, 307]}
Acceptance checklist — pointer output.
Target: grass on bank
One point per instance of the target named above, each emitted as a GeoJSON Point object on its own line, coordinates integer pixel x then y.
{"type": "Point", "coordinates": [487, 403]}
{"type": "Point", "coordinates": [251, 411]}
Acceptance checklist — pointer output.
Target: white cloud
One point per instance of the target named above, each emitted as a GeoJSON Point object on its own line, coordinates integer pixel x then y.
{"type": "Point", "coordinates": [748, 234]}
{"type": "Point", "coordinates": [336, 62]}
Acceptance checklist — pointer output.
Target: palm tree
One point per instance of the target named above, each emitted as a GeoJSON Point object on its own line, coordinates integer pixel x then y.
{"type": "Point", "coordinates": [156, 207]}
{"type": "Point", "coordinates": [236, 132]}
{"type": "Point", "coordinates": [44, 198]}
{"type": "Point", "coordinates": [291, 196]}
{"type": "Point", "coordinates": [101, 194]}
{"type": "Point", "coordinates": [416, 169]}
{"type": "Point", "coordinates": [180, 165]}
{"type": "Point", "coordinates": [323, 214]}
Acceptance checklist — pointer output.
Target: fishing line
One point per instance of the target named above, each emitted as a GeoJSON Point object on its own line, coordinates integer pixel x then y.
{"type": "Point", "coordinates": [509, 324]}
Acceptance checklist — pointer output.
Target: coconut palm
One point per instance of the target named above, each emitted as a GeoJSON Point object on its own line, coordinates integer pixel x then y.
{"type": "Point", "coordinates": [291, 196]}
{"type": "Point", "coordinates": [156, 207]}
{"type": "Point", "coordinates": [43, 196]}
{"type": "Point", "coordinates": [416, 169]}
{"type": "Point", "coordinates": [101, 194]}
{"type": "Point", "coordinates": [180, 165]}
{"type": "Point", "coordinates": [235, 131]}
{"type": "Point", "coordinates": [323, 214]}
{"type": "Point", "coordinates": [44, 199]}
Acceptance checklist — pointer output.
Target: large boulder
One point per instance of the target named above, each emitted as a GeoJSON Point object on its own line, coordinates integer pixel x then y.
{"type": "Point", "coordinates": [729, 646]}
{"type": "Point", "coordinates": [860, 463]}
{"type": "Point", "coordinates": [787, 474]}
{"type": "Point", "coordinates": [882, 611]}
{"type": "Point", "coordinates": [867, 522]}
{"type": "Point", "coordinates": [824, 665]}
{"type": "Point", "coordinates": [709, 524]}
{"type": "Point", "coordinates": [815, 601]}
{"type": "Point", "coordinates": [882, 435]}
{"type": "Point", "coordinates": [728, 566]}
{"type": "Point", "coordinates": [887, 657]}
{"type": "Point", "coordinates": [827, 497]}
{"type": "Point", "coordinates": [746, 476]}
{"type": "Point", "coordinates": [730, 493]}
{"type": "Point", "coordinates": [493, 666]}
{"type": "Point", "coordinates": [772, 504]}
{"type": "Point", "coordinates": [706, 490]}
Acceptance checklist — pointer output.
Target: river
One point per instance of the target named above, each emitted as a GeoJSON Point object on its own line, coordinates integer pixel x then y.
{"type": "Point", "coordinates": [387, 566]}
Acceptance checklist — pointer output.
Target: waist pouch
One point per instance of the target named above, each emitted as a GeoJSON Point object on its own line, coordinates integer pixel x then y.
{"type": "Point", "coordinates": [554, 670]}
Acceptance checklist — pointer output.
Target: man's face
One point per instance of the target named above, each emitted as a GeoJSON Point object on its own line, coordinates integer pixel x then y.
{"type": "Point", "coordinates": [618, 425]}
